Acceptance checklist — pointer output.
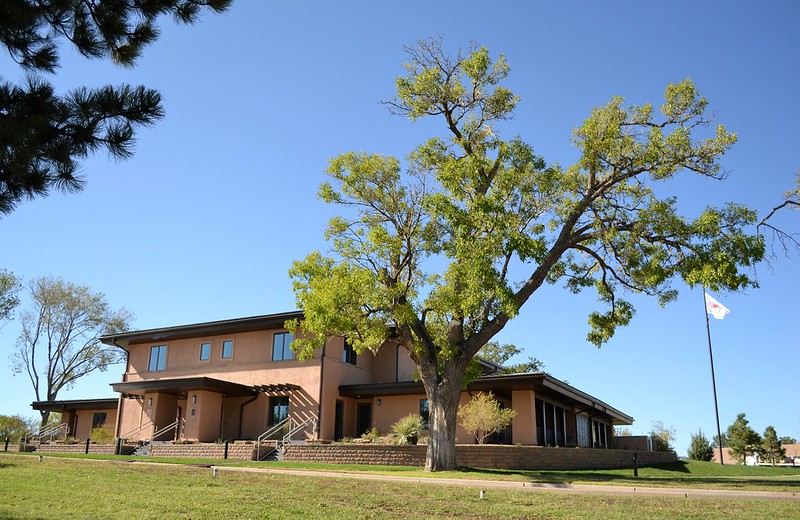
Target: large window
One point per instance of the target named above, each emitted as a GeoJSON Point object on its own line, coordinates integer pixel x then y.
{"type": "Point", "coordinates": [281, 346]}
{"type": "Point", "coordinates": [205, 351]}
{"type": "Point", "coordinates": [158, 358]}
{"type": "Point", "coordinates": [424, 412]}
{"type": "Point", "coordinates": [227, 349]}
{"type": "Point", "coordinates": [278, 409]}
{"type": "Point", "coordinates": [350, 355]}
{"type": "Point", "coordinates": [98, 419]}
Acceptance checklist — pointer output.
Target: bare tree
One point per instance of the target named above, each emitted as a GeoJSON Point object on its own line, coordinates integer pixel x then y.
{"type": "Point", "coordinates": [59, 340]}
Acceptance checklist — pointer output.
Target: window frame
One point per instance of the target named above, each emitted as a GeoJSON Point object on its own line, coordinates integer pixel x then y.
{"type": "Point", "coordinates": [349, 355]}
{"type": "Point", "coordinates": [224, 343]}
{"type": "Point", "coordinates": [208, 356]}
{"type": "Point", "coordinates": [284, 346]}
{"type": "Point", "coordinates": [160, 360]}
{"type": "Point", "coordinates": [277, 401]}
{"type": "Point", "coordinates": [99, 415]}
{"type": "Point", "coordinates": [425, 412]}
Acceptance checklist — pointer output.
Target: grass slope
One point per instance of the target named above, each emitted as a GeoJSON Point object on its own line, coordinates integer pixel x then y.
{"type": "Point", "coordinates": [73, 488]}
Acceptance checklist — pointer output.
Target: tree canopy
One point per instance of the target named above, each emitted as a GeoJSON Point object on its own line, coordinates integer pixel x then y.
{"type": "Point", "coordinates": [9, 290]}
{"type": "Point", "coordinates": [43, 135]}
{"type": "Point", "coordinates": [59, 342]}
{"type": "Point", "coordinates": [439, 251]}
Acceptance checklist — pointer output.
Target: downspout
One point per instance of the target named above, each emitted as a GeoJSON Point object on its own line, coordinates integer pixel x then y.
{"type": "Point", "coordinates": [124, 379]}
{"type": "Point", "coordinates": [241, 412]}
{"type": "Point", "coordinates": [317, 427]}
{"type": "Point", "coordinates": [397, 363]}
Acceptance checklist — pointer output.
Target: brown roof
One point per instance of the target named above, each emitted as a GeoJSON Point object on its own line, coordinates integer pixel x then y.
{"type": "Point", "coordinates": [502, 386]}
{"type": "Point", "coordinates": [195, 330]}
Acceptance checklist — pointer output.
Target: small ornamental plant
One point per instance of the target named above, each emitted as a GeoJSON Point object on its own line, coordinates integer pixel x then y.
{"type": "Point", "coordinates": [408, 429]}
{"type": "Point", "coordinates": [483, 416]}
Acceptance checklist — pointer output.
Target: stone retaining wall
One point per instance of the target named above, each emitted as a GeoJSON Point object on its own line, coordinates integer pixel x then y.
{"type": "Point", "coordinates": [100, 449]}
{"type": "Point", "coordinates": [237, 451]}
{"type": "Point", "coordinates": [487, 456]}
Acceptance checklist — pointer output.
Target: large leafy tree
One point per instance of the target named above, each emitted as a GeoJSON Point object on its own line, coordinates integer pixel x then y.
{"type": "Point", "coordinates": [438, 252]}
{"type": "Point", "coordinates": [43, 135]}
{"type": "Point", "coordinates": [9, 290]}
{"type": "Point", "coordinates": [785, 239]}
{"type": "Point", "coordinates": [59, 342]}
{"type": "Point", "coordinates": [499, 355]}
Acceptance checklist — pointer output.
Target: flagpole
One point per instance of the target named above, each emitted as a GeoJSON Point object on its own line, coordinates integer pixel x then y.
{"type": "Point", "coordinates": [713, 378]}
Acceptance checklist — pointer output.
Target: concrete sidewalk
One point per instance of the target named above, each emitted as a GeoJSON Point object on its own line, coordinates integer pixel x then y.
{"type": "Point", "coordinates": [533, 486]}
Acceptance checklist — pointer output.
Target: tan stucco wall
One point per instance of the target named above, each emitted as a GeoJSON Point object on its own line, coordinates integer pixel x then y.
{"type": "Point", "coordinates": [83, 426]}
{"type": "Point", "coordinates": [524, 424]}
{"type": "Point", "coordinates": [203, 416]}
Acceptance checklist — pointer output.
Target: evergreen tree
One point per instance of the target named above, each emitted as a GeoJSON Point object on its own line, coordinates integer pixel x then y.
{"type": "Point", "coordinates": [43, 135]}
{"type": "Point", "coordinates": [771, 448]}
{"type": "Point", "coordinates": [742, 439]}
{"type": "Point", "coordinates": [700, 448]}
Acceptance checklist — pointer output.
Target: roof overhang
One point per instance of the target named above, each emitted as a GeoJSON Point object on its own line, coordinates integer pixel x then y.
{"type": "Point", "coordinates": [181, 386]}
{"type": "Point", "coordinates": [75, 404]}
{"type": "Point", "coordinates": [196, 330]}
{"type": "Point", "coordinates": [502, 386]}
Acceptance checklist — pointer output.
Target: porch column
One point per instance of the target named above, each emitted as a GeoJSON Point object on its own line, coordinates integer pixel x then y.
{"type": "Point", "coordinates": [524, 424]}
{"type": "Point", "coordinates": [203, 415]}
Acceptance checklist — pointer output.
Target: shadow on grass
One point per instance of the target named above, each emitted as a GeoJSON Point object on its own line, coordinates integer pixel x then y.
{"type": "Point", "coordinates": [674, 474]}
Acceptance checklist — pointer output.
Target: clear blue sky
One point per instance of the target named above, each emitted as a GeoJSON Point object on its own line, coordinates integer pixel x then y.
{"type": "Point", "coordinates": [204, 221]}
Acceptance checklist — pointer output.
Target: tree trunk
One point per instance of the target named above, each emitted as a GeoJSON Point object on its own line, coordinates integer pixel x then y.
{"type": "Point", "coordinates": [45, 417]}
{"type": "Point", "coordinates": [443, 399]}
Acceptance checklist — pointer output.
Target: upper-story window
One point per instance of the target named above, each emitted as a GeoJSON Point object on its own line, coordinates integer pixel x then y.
{"type": "Point", "coordinates": [205, 351]}
{"type": "Point", "coordinates": [281, 346]}
{"type": "Point", "coordinates": [227, 349]}
{"type": "Point", "coordinates": [158, 358]}
{"type": "Point", "coordinates": [350, 355]}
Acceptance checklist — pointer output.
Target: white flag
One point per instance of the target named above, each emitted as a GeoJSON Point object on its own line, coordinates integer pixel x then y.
{"type": "Point", "coordinates": [714, 308]}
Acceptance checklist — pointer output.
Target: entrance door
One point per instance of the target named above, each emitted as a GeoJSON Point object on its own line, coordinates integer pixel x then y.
{"type": "Point", "coordinates": [582, 427]}
{"type": "Point", "coordinates": [363, 418]}
{"type": "Point", "coordinates": [338, 425]}
{"type": "Point", "coordinates": [278, 409]}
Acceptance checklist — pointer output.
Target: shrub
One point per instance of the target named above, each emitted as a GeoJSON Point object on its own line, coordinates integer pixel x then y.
{"type": "Point", "coordinates": [102, 434]}
{"type": "Point", "coordinates": [483, 416]}
{"type": "Point", "coordinates": [408, 429]}
{"type": "Point", "coordinates": [372, 436]}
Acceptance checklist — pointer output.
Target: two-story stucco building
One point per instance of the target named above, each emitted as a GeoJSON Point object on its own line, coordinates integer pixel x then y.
{"type": "Point", "coordinates": [234, 379]}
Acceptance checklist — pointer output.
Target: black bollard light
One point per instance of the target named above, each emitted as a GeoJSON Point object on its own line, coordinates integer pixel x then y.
{"type": "Point", "coordinates": [635, 465]}
{"type": "Point", "coordinates": [86, 451]}
{"type": "Point", "coordinates": [226, 450]}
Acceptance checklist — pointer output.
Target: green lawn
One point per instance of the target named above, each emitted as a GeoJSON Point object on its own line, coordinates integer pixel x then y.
{"type": "Point", "coordinates": [72, 488]}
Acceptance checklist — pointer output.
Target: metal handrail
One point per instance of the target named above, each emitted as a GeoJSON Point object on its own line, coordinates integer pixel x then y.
{"type": "Point", "coordinates": [47, 431]}
{"type": "Point", "coordinates": [272, 431]}
{"type": "Point", "coordinates": [136, 430]}
{"type": "Point", "coordinates": [287, 439]}
{"type": "Point", "coordinates": [164, 429]}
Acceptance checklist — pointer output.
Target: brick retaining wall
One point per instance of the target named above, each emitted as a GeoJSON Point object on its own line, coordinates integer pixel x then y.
{"type": "Point", "coordinates": [487, 456]}
{"type": "Point", "coordinates": [237, 451]}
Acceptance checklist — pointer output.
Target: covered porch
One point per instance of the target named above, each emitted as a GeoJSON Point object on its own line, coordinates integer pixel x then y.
{"type": "Point", "coordinates": [202, 409]}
